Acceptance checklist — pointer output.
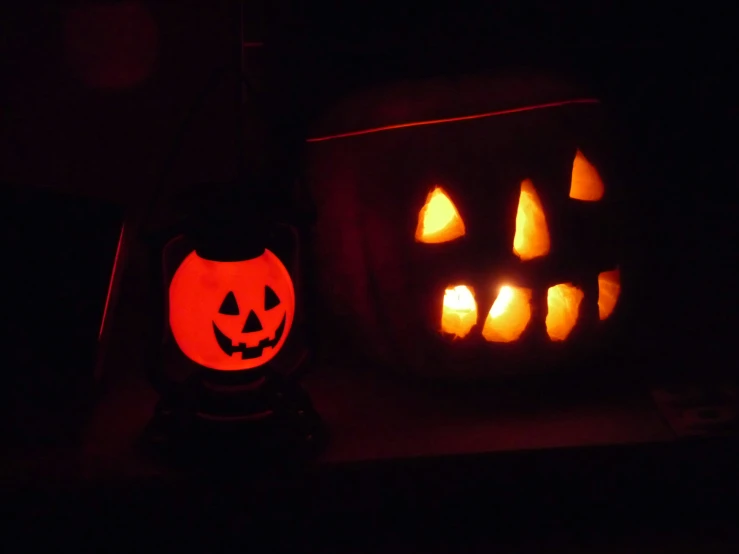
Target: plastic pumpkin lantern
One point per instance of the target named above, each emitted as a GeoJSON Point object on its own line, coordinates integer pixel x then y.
{"type": "Point", "coordinates": [234, 338]}
{"type": "Point", "coordinates": [231, 315]}
{"type": "Point", "coordinates": [231, 278]}
{"type": "Point", "coordinates": [467, 227]}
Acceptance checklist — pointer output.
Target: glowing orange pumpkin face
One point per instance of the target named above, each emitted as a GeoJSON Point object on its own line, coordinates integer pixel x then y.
{"type": "Point", "coordinates": [510, 314]}
{"type": "Point", "coordinates": [231, 315]}
{"type": "Point", "coordinates": [471, 228]}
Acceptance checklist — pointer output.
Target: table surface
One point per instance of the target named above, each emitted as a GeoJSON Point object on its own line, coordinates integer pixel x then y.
{"type": "Point", "coordinates": [400, 457]}
{"type": "Point", "coordinates": [375, 416]}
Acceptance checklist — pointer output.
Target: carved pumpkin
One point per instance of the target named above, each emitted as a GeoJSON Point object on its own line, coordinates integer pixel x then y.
{"type": "Point", "coordinates": [232, 315]}
{"type": "Point", "coordinates": [466, 228]}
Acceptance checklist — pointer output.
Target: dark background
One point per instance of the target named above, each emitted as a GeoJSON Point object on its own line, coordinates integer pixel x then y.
{"type": "Point", "coordinates": [667, 76]}
{"type": "Point", "coordinates": [667, 73]}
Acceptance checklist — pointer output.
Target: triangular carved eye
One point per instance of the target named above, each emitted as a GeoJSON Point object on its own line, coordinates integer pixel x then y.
{"type": "Point", "coordinates": [271, 300]}
{"type": "Point", "coordinates": [586, 183]}
{"type": "Point", "coordinates": [229, 305]}
{"type": "Point", "coordinates": [439, 220]}
{"type": "Point", "coordinates": [532, 233]}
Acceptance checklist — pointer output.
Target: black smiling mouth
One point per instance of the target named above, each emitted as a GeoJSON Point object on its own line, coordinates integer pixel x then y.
{"type": "Point", "coordinates": [248, 352]}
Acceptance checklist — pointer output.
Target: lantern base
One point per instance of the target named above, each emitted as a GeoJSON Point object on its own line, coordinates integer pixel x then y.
{"type": "Point", "coordinates": [222, 422]}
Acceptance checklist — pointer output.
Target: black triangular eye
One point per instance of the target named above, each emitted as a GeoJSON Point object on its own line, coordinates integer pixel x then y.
{"type": "Point", "coordinates": [252, 323]}
{"type": "Point", "coordinates": [271, 300]}
{"type": "Point", "coordinates": [229, 305]}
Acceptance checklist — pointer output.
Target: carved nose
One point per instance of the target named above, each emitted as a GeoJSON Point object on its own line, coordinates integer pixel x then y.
{"type": "Point", "coordinates": [252, 323]}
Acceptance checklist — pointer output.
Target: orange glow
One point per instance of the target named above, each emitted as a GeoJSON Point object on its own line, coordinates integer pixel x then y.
{"type": "Point", "coordinates": [509, 315]}
{"type": "Point", "coordinates": [609, 289]}
{"type": "Point", "coordinates": [586, 183]}
{"type": "Point", "coordinates": [110, 282]}
{"type": "Point", "coordinates": [532, 233]}
{"type": "Point", "coordinates": [439, 220]}
{"type": "Point", "coordinates": [563, 306]}
{"type": "Point", "coordinates": [455, 119]}
{"type": "Point", "coordinates": [231, 315]}
{"type": "Point", "coordinates": [459, 312]}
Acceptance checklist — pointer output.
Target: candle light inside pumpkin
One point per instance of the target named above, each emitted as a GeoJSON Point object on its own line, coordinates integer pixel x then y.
{"type": "Point", "coordinates": [563, 307]}
{"type": "Point", "coordinates": [532, 232]}
{"type": "Point", "coordinates": [586, 183]}
{"type": "Point", "coordinates": [509, 315]}
{"type": "Point", "coordinates": [439, 220]}
{"type": "Point", "coordinates": [609, 289]}
{"type": "Point", "coordinates": [459, 311]}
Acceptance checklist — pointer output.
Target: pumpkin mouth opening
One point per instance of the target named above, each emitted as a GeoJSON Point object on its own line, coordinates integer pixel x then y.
{"type": "Point", "coordinates": [248, 352]}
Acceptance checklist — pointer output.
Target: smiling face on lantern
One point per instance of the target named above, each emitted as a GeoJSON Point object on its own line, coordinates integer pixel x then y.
{"type": "Point", "coordinates": [511, 312]}
{"type": "Point", "coordinates": [231, 316]}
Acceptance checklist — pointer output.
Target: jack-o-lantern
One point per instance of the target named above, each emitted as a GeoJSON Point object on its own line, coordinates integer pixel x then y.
{"type": "Point", "coordinates": [467, 227]}
{"type": "Point", "coordinates": [231, 315]}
